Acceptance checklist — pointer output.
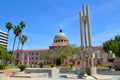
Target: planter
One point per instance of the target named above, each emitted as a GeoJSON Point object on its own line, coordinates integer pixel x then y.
{"type": "Point", "coordinates": [18, 73]}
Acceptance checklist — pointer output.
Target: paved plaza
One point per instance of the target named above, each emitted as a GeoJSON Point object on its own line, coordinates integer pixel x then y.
{"type": "Point", "coordinates": [100, 77]}
{"type": "Point", "coordinates": [70, 77]}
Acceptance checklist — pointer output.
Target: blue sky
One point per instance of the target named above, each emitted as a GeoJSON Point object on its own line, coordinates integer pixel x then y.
{"type": "Point", "coordinates": [44, 18]}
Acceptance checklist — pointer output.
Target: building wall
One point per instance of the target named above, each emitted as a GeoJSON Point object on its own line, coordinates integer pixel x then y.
{"type": "Point", "coordinates": [33, 57]}
{"type": "Point", "coordinates": [3, 38]}
{"type": "Point", "coordinates": [29, 56]}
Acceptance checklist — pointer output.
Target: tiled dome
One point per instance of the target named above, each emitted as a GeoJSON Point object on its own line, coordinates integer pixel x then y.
{"type": "Point", "coordinates": [61, 35]}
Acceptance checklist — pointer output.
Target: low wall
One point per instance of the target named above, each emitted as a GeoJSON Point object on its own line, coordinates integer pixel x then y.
{"type": "Point", "coordinates": [50, 71]}
{"type": "Point", "coordinates": [68, 71]}
{"type": "Point", "coordinates": [109, 72]}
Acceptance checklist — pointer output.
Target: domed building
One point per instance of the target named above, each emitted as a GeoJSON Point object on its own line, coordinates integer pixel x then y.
{"type": "Point", "coordinates": [60, 39]}
{"type": "Point", "coordinates": [60, 42]}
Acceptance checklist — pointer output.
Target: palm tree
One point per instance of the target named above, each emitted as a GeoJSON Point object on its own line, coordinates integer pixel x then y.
{"type": "Point", "coordinates": [9, 26]}
{"type": "Point", "coordinates": [22, 25]}
{"type": "Point", "coordinates": [23, 39]}
{"type": "Point", "coordinates": [17, 31]}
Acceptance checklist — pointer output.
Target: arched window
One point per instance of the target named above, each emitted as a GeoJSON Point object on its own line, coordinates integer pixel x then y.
{"type": "Point", "coordinates": [66, 62]}
{"type": "Point", "coordinates": [17, 56]}
{"type": "Point", "coordinates": [78, 62]}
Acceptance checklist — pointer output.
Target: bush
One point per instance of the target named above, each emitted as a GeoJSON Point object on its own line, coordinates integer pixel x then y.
{"type": "Point", "coordinates": [52, 65]}
{"type": "Point", "coordinates": [22, 67]}
{"type": "Point", "coordinates": [117, 68]}
{"type": "Point", "coordinates": [41, 64]}
{"type": "Point", "coordinates": [2, 67]}
{"type": "Point", "coordinates": [65, 65]}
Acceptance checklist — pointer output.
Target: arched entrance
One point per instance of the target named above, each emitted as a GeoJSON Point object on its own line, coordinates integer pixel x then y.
{"type": "Point", "coordinates": [58, 62]}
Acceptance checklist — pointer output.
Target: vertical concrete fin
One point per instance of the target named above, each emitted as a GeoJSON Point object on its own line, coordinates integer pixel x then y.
{"type": "Point", "coordinates": [88, 23]}
{"type": "Point", "coordinates": [81, 29]}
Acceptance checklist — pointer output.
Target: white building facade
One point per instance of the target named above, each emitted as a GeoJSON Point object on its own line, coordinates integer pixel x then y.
{"type": "Point", "coordinates": [3, 38]}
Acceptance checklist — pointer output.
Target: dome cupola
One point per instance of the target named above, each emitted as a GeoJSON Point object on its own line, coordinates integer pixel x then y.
{"type": "Point", "coordinates": [60, 39]}
{"type": "Point", "coordinates": [61, 35]}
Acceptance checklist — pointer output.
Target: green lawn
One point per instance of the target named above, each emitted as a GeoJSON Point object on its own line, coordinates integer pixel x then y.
{"type": "Point", "coordinates": [10, 67]}
{"type": "Point", "coordinates": [104, 66]}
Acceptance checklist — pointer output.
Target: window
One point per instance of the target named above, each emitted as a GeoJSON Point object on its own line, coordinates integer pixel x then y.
{"type": "Point", "coordinates": [79, 62]}
{"type": "Point", "coordinates": [17, 56]}
{"type": "Point", "coordinates": [25, 57]}
{"type": "Point", "coordinates": [66, 62]}
{"type": "Point", "coordinates": [32, 53]}
{"type": "Point", "coordinates": [36, 53]}
{"type": "Point", "coordinates": [61, 40]}
{"type": "Point", "coordinates": [32, 58]}
{"type": "Point", "coordinates": [58, 40]}
{"type": "Point", "coordinates": [47, 62]}
{"type": "Point", "coordinates": [36, 58]}
{"type": "Point", "coordinates": [35, 62]}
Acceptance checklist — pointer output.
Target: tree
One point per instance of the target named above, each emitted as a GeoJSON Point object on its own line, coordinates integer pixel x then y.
{"type": "Point", "coordinates": [45, 55]}
{"type": "Point", "coordinates": [2, 51]}
{"type": "Point", "coordinates": [67, 52]}
{"type": "Point", "coordinates": [9, 57]}
{"type": "Point", "coordinates": [107, 45]}
{"type": "Point", "coordinates": [113, 45]}
{"type": "Point", "coordinates": [22, 25]}
{"type": "Point", "coordinates": [9, 26]}
{"type": "Point", "coordinates": [17, 31]}
{"type": "Point", "coordinates": [23, 39]}
{"type": "Point", "coordinates": [41, 64]}
{"type": "Point", "coordinates": [4, 55]}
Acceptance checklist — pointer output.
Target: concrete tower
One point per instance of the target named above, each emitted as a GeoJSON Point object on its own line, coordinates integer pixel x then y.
{"type": "Point", "coordinates": [86, 43]}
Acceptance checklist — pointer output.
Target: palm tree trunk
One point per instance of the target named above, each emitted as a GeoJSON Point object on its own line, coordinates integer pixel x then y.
{"type": "Point", "coordinates": [19, 40]}
{"type": "Point", "coordinates": [22, 54]}
{"type": "Point", "coordinates": [7, 40]}
{"type": "Point", "coordinates": [14, 44]}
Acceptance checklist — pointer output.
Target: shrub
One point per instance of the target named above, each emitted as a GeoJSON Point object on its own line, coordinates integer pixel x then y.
{"type": "Point", "coordinates": [22, 67]}
{"type": "Point", "coordinates": [52, 65]}
{"type": "Point", "coordinates": [2, 67]}
{"type": "Point", "coordinates": [41, 64]}
{"type": "Point", "coordinates": [65, 65]}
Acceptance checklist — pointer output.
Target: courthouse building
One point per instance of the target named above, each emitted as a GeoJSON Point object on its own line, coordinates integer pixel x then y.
{"type": "Point", "coordinates": [59, 42]}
